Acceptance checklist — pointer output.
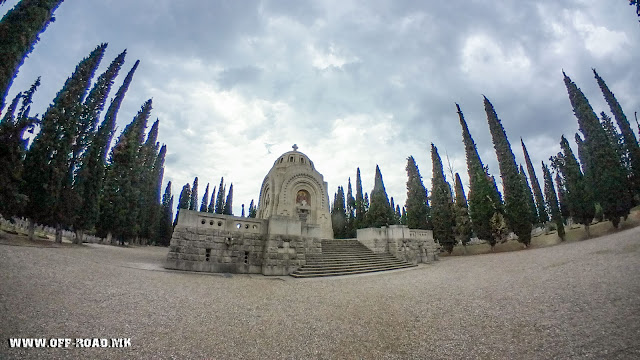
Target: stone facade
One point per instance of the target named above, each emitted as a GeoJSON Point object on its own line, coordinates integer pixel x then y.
{"type": "Point", "coordinates": [411, 245]}
{"type": "Point", "coordinates": [295, 189]}
{"type": "Point", "coordinates": [221, 243]}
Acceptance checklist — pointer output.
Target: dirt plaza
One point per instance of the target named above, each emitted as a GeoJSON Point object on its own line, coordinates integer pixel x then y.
{"type": "Point", "coordinates": [574, 300]}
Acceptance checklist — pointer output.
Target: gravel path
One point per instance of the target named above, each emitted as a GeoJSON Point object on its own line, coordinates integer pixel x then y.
{"type": "Point", "coordinates": [576, 300]}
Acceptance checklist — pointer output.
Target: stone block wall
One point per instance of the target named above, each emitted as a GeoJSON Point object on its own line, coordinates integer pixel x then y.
{"type": "Point", "coordinates": [411, 245]}
{"type": "Point", "coordinates": [229, 244]}
{"type": "Point", "coordinates": [284, 254]}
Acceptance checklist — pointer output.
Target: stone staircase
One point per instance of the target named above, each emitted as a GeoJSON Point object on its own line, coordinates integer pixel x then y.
{"type": "Point", "coordinates": [347, 257]}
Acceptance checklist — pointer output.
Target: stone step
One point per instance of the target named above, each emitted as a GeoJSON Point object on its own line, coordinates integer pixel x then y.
{"type": "Point", "coordinates": [350, 260]}
{"type": "Point", "coordinates": [308, 274]}
{"type": "Point", "coordinates": [344, 257]}
{"type": "Point", "coordinates": [352, 264]}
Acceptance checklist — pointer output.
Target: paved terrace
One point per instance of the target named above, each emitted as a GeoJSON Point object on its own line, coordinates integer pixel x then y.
{"type": "Point", "coordinates": [576, 300]}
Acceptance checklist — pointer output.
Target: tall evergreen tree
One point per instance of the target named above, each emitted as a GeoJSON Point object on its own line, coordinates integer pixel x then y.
{"type": "Point", "coordinates": [516, 209]}
{"type": "Point", "coordinates": [351, 211]}
{"type": "Point", "coordinates": [205, 198]}
{"type": "Point", "coordinates": [155, 203]}
{"type": "Point", "coordinates": [120, 203]}
{"type": "Point", "coordinates": [252, 210]}
{"type": "Point", "coordinates": [607, 177]}
{"type": "Point", "coordinates": [212, 202]}
{"type": "Point", "coordinates": [577, 194]}
{"type": "Point", "coordinates": [442, 212]}
{"type": "Point", "coordinates": [461, 211]}
{"type": "Point", "coordinates": [339, 215]}
{"type": "Point", "coordinates": [90, 178]}
{"type": "Point", "coordinates": [380, 212]}
{"type": "Point", "coordinates": [183, 201]}
{"type": "Point", "coordinates": [529, 195]}
{"type": "Point", "coordinates": [193, 203]}
{"type": "Point", "coordinates": [149, 200]}
{"type": "Point", "coordinates": [242, 213]}
{"type": "Point", "coordinates": [417, 204]}
{"type": "Point", "coordinates": [552, 201]}
{"type": "Point", "coordinates": [165, 228]}
{"type": "Point", "coordinates": [12, 152]}
{"type": "Point", "coordinates": [403, 217]}
{"type": "Point", "coordinates": [46, 163]}
{"type": "Point", "coordinates": [228, 204]}
{"type": "Point", "coordinates": [220, 199]}
{"type": "Point", "coordinates": [542, 215]}
{"type": "Point", "coordinates": [360, 221]}
{"type": "Point", "coordinates": [615, 139]}
{"type": "Point", "coordinates": [19, 30]}
{"type": "Point", "coordinates": [562, 198]}
{"type": "Point", "coordinates": [483, 195]}
{"type": "Point", "coordinates": [630, 142]}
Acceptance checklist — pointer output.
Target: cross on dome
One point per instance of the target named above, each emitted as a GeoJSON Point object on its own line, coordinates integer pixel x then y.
{"type": "Point", "coordinates": [295, 147]}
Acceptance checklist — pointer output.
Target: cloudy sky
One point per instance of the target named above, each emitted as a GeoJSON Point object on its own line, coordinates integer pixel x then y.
{"type": "Point", "coordinates": [353, 83]}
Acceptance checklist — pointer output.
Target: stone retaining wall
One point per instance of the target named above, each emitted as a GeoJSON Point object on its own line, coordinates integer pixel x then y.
{"type": "Point", "coordinates": [411, 245]}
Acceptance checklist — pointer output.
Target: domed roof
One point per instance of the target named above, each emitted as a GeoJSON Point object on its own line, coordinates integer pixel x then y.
{"type": "Point", "coordinates": [293, 158]}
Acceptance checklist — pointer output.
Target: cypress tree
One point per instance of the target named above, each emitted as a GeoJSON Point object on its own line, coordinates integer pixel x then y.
{"type": "Point", "coordinates": [220, 199]}
{"type": "Point", "coordinates": [193, 203]}
{"type": "Point", "coordinates": [212, 202]}
{"type": "Point", "coordinates": [630, 143]}
{"type": "Point", "coordinates": [529, 195]}
{"type": "Point", "coordinates": [516, 209]}
{"type": "Point", "coordinates": [252, 210]}
{"type": "Point", "coordinates": [403, 217]}
{"type": "Point", "coordinates": [165, 228]}
{"type": "Point", "coordinates": [90, 178]}
{"type": "Point", "coordinates": [393, 208]}
{"type": "Point", "coordinates": [228, 204]}
{"type": "Point", "coordinates": [562, 198]}
{"type": "Point", "coordinates": [351, 211]}
{"type": "Point", "coordinates": [483, 195]}
{"type": "Point", "coordinates": [183, 201]}
{"type": "Point", "coordinates": [417, 204]}
{"type": "Point", "coordinates": [552, 201]}
{"type": "Point", "coordinates": [578, 197]}
{"type": "Point", "coordinates": [398, 215]}
{"type": "Point", "coordinates": [155, 204]}
{"type": "Point", "coordinates": [615, 139]}
{"type": "Point", "coordinates": [360, 221]}
{"type": "Point", "coordinates": [122, 190]}
{"type": "Point", "coordinates": [380, 212]}
{"type": "Point", "coordinates": [12, 152]}
{"type": "Point", "coordinates": [461, 211]}
{"type": "Point", "coordinates": [19, 30]}
{"type": "Point", "coordinates": [606, 174]}
{"type": "Point", "coordinates": [82, 156]}
{"type": "Point", "coordinates": [242, 213]}
{"type": "Point", "coordinates": [339, 215]}
{"type": "Point", "coordinates": [542, 215]}
{"type": "Point", "coordinates": [442, 213]}
{"type": "Point", "coordinates": [46, 163]}
{"type": "Point", "coordinates": [147, 183]}
{"type": "Point", "coordinates": [205, 198]}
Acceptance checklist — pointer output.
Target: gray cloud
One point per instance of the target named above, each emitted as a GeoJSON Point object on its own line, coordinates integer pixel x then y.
{"type": "Point", "coordinates": [353, 83]}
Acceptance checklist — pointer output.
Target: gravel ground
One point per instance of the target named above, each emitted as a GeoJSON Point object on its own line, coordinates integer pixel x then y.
{"type": "Point", "coordinates": [576, 300]}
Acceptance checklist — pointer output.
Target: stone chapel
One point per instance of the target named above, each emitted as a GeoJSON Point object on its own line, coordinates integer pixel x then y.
{"type": "Point", "coordinates": [292, 230]}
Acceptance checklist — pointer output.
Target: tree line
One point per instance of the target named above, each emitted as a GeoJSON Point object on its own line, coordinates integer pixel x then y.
{"type": "Point", "coordinates": [70, 176]}
{"type": "Point", "coordinates": [602, 182]}
{"type": "Point", "coordinates": [217, 203]}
